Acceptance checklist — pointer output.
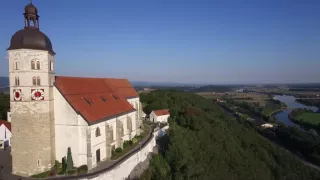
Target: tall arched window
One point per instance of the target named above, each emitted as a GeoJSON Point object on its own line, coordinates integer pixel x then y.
{"type": "Point", "coordinates": [38, 81]}
{"type": "Point", "coordinates": [33, 65]}
{"type": "Point", "coordinates": [34, 81]}
{"type": "Point", "coordinates": [16, 65]}
{"type": "Point", "coordinates": [38, 64]}
{"type": "Point", "coordinates": [98, 132]}
{"type": "Point", "coordinates": [51, 66]}
{"type": "Point", "coordinates": [16, 81]}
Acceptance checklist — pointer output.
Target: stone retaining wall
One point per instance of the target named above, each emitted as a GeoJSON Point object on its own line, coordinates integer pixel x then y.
{"type": "Point", "coordinates": [124, 165]}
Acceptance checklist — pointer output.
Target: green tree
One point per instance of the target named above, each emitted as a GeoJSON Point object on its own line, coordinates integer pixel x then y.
{"type": "Point", "coordinates": [64, 165]}
{"type": "Point", "coordinates": [4, 105]}
{"type": "Point", "coordinates": [69, 159]}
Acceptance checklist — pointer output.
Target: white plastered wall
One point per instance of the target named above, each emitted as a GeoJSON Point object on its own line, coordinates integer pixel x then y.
{"type": "Point", "coordinates": [100, 141]}
{"type": "Point", "coordinates": [70, 131]}
{"type": "Point", "coordinates": [5, 134]}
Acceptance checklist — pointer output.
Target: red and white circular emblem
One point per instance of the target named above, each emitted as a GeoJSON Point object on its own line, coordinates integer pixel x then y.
{"type": "Point", "coordinates": [37, 94]}
{"type": "Point", "coordinates": [17, 95]}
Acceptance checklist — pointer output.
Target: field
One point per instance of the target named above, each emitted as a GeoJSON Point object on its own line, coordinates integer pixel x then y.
{"type": "Point", "coordinates": [211, 95]}
{"type": "Point", "coordinates": [250, 98]}
{"type": "Point", "coordinates": [288, 91]}
{"type": "Point", "coordinates": [310, 118]}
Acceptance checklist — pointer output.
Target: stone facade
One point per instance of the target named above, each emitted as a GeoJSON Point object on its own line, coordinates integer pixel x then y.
{"type": "Point", "coordinates": [32, 121]}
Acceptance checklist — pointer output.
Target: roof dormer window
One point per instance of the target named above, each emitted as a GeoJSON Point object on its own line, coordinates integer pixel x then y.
{"type": "Point", "coordinates": [88, 101]}
{"type": "Point", "coordinates": [103, 99]}
{"type": "Point", "coordinates": [115, 97]}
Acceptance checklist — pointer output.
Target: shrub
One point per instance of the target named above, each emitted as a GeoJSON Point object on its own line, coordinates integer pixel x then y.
{"type": "Point", "coordinates": [138, 136]}
{"type": "Point", "coordinates": [134, 140]}
{"type": "Point", "coordinates": [71, 171]}
{"type": "Point", "coordinates": [53, 171]}
{"type": "Point", "coordinates": [118, 150]}
{"type": "Point", "coordinates": [126, 144]}
{"type": "Point", "coordinates": [82, 169]}
{"type": "Point", "coordinates": [41, 175]}
{"type": "Point", "coordinates": [57, 164]}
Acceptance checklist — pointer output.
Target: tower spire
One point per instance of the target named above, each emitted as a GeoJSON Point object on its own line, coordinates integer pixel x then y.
{"type": "Point", "coordinates": [31, 16]}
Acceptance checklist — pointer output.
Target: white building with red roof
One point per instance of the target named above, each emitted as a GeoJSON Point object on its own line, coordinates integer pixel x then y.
{"type": "Point", "coordinates": [50, 113]}
{"type": "Point", "coordinates": [5, 134]}
{"type": "Point", "coordinates": [160, 115]}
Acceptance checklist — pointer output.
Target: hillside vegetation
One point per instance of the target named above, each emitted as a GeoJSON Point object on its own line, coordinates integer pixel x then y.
{"type": "Point", "coordinates": [4, 105]}
{"type": "Point", "coordinates": [205, 143]}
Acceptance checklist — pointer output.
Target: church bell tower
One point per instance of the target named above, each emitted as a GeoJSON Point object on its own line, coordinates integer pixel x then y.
{"type": "Point", "coordinates": [31, 73]}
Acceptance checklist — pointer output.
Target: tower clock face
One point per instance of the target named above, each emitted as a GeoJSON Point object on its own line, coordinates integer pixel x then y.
{"type": "Point", "coordinates": [17, 95]}
{"type": "Point", "coordinates": [37, 94]}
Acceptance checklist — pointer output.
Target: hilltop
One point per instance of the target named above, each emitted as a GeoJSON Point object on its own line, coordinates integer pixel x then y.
{"type": "Point", "coordinates": [205, 142]}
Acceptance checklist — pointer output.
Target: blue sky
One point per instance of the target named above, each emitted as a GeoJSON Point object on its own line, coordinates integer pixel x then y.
{"type": "Point", "coordinates": [189, 41]}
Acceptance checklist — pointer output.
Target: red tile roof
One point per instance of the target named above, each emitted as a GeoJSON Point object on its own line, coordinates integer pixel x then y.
{"type": "Point", "coordinates": [88, 95]}
{"type": "Point", "coordinates": [6, 123]}
{"type": "Point", "coordinates": [162, 112]}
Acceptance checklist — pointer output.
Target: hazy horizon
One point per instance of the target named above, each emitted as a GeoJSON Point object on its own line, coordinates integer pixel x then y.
{"type": "Point", "coordinates": [193, 42]}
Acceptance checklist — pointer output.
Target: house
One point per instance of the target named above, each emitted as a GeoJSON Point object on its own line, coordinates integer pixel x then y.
{"type": "Point", "coordinates": [267, 125]}
{"type": "Point", "coordinates": [221, 101]}
{"type": "Point", "coordinates": [5, 134]}
{"type": "Point", "coordinates": [49, 113]}
{"type": "Point", "coordinates": [159, 115]}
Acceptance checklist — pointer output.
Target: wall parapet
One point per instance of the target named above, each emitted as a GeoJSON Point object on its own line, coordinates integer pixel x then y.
{"type": "Point", "coordinates": [133, 155]}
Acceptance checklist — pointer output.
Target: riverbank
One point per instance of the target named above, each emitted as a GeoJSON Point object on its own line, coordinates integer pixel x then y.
{"type": "Point", "coordinates": [278, 142]}
{"type": "Point", "coordinates": [305, 118]}
{"type": "Point", "coordinates": [285, 145]}
{"type": "Point", "coordinates": [309, 102]}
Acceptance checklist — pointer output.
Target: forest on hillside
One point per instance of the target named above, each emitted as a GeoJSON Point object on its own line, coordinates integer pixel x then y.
{"type": "Point", "coordinates": [206, 143]}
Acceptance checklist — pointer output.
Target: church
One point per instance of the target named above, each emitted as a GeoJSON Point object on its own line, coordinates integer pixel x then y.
{"type": "Point", "coordinates": [49, 113]}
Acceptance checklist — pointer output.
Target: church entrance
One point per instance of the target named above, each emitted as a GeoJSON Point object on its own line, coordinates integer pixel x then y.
{"type": "Point", "coordinates": [98, 155]}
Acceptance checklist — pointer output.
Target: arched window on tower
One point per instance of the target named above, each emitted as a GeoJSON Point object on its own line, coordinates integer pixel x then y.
{"type": "Point", "coordinates": [51, 66]}
{"type": "Point", "coordinates": [98, 132]}
{"type": "Point", "coordinates": [38, 64]}
{"type": "Point", "coordinates": [17, 81]}
{"type": "Point", "coordinates": [16, 65]}
{"type": "Point", "coordinates": [38, 81]}
{"type": "Point", "coordinates": [33, 64]}
{"type": "Point", "coordinates": [34, 81]}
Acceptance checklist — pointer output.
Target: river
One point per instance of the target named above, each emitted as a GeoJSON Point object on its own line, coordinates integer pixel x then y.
{"type": "Point", "coordinates": [290, 101]}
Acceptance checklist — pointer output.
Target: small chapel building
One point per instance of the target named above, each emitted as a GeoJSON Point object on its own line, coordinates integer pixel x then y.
{"type": "Point", "coordinates": [49, 113]}
{"type": "Point", "coordinates": [160, 116]}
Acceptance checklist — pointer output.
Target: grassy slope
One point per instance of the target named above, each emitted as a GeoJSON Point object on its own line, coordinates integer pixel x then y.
{"type": "Point", "coordinates": [310, 118]}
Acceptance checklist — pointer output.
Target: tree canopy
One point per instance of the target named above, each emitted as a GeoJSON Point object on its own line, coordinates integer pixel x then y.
{"type": "Point", "coordinates": [206, 143]}
{"type": "Point", "coordinates": [4, 105]}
